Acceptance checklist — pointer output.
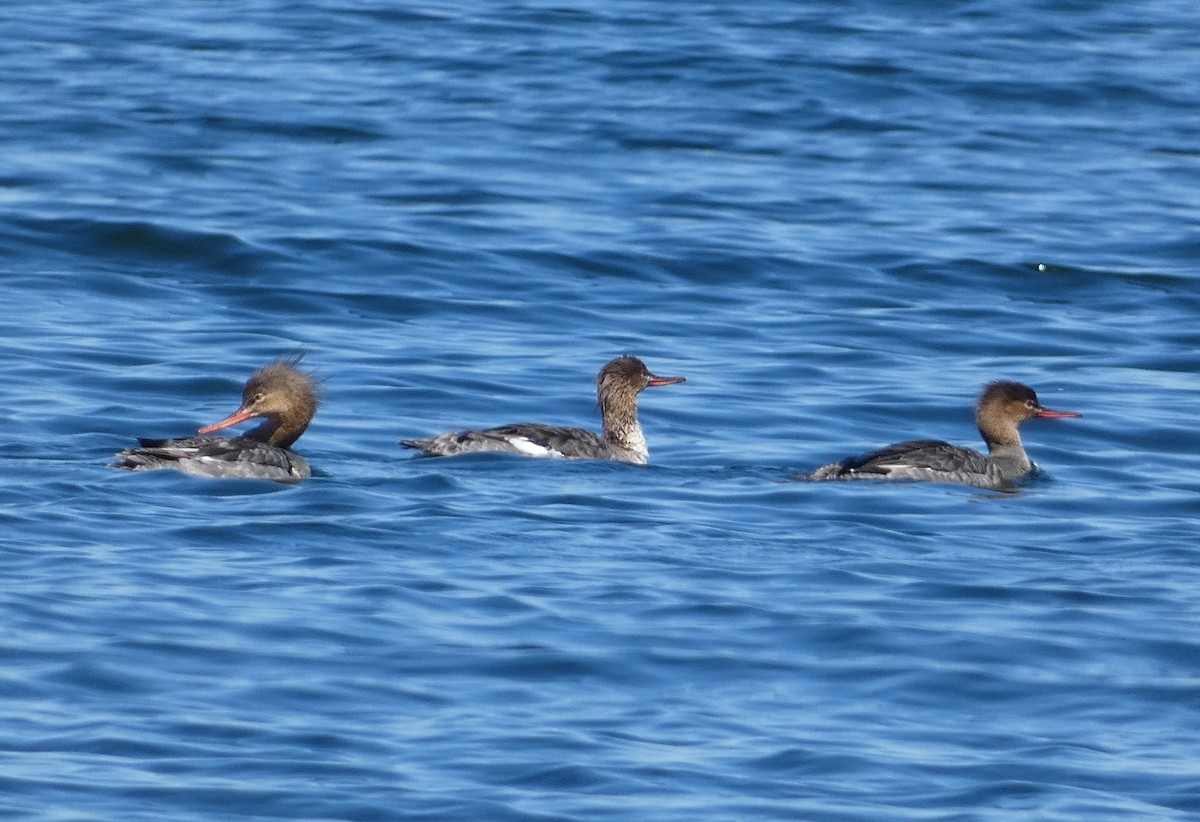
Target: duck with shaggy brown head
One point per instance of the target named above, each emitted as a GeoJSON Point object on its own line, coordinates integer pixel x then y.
{"type": "Point", "coordinates": [621, 439]}
{"type": "Point", "coordinates": [279, 393]}
{"type": "Point", "coordinates": [1002, 408]}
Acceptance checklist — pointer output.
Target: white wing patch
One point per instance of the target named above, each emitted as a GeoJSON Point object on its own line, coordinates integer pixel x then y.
{"type": "Point", "coordinates": [530, 448]}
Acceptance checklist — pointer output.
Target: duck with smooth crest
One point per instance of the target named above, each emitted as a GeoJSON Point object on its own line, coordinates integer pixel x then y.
{"type": "Point", "coordinates": [1002, 408]}
{"type": "Point", "coordinates": [621, 439]}
{"type": "Point", "coordinates": [280, 393]}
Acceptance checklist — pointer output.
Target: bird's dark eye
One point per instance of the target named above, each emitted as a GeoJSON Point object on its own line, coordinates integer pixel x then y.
{"type": "Point", "coordinates": [258, 397]}
{"type": "Point", "coordinates": [1030, 404]}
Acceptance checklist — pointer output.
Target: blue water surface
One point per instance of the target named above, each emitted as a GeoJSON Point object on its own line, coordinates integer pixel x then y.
{"type": "Point", "coordinates": [837, 220]}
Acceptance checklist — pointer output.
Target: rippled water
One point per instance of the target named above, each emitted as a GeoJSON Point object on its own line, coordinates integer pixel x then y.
{"type": "Point", "coordinates": [837, 220]}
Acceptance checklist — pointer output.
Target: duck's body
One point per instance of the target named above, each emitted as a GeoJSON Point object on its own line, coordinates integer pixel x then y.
{"type": "Point", "coordinates": [529, 439]}
{"type": "Point", "coordinates": [930, 461]}
{"type": "Point", "coordinates": [279, 392]}
{"type": "Point", "coordinates": [1001, 409]}
{"type": "Point", "coordinates": [622, 439]}
{"type": "Point", "coordinates": [235, 457]}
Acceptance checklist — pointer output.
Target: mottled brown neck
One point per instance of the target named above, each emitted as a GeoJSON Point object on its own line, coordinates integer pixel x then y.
{"type": "Point", "coordinates": [282, 430]}
{"type": "Point", "coordinates": [618, 413]}
{"type": "Point", "coordinates": [997, 430]}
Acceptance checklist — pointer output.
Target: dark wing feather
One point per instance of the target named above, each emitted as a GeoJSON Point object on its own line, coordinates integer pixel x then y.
{"type": "Point", "coordinates": [216, 457]}
{"type": "Point", "coordinates": [907, 460]}
{"type": "Point", "coordinates": [572, 443]}
{"type": "Point", "coordinates": [934, 455]}
{"type": "Point", "coordinates": [526, 438]}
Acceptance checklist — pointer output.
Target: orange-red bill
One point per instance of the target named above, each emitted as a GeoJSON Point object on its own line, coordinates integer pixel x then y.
{"type": "Point", "coordinates": [238, 416]}
{"type": "Point", "coordinates": [664, 380]}
{"type": "Point", "coordinates": [1051, 414]}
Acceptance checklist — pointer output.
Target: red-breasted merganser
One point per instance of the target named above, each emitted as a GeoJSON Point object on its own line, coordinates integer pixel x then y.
{"type": "Point", "coordinates": [282, 394]}
{"type": "Point", "coordinates": [1001, 409]}
{"type": "Point", "coordinates": [617, 387]}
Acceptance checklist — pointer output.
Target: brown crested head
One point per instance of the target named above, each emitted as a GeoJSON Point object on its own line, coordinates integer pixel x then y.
{"type": "Point", "coordinates": [1007, 399]}
{"type": "Point", "coordinates": [280, 386]}
{"type": "Point", "coordinates": [283, 394]}
{"type": "Point", "coordinates": [1005, 404]}
{"type": "Point", "coordinates": [628, 376]}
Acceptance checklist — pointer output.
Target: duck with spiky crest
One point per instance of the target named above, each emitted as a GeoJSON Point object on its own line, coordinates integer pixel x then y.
{"type": "Point", "coordinates": [621, 439]}
{"type": "Point", "coordinates": [279, 393]}
{"type": "Point", "coordinates": [1003, 406]}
